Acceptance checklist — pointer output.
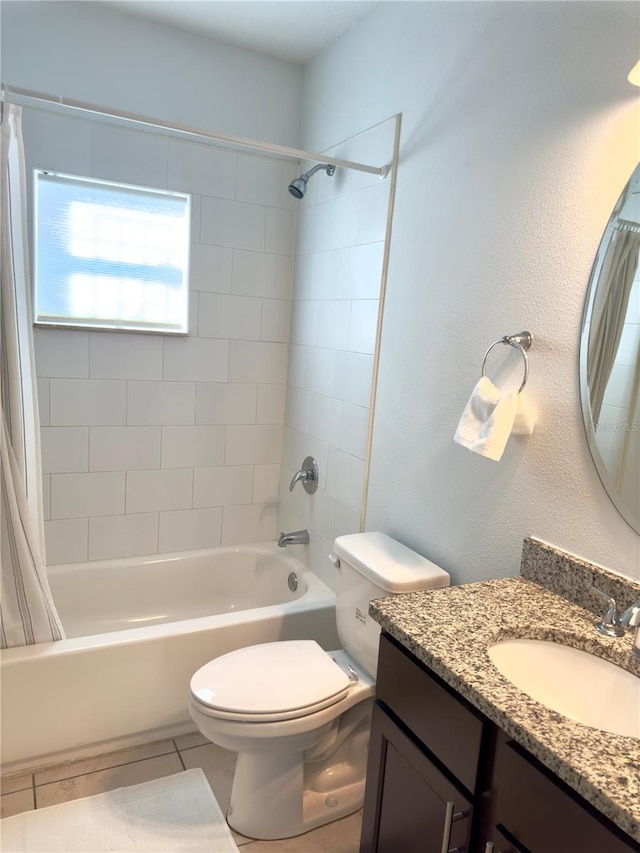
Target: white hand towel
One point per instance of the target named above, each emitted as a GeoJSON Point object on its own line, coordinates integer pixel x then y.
{"type": "Point", "coordinates": [525, 418]}
{"type": "Point", "coordinates": [485, 425]}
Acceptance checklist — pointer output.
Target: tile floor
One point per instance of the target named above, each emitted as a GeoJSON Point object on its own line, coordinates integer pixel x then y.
{"type": "Point", "coordinates": [151, 761]}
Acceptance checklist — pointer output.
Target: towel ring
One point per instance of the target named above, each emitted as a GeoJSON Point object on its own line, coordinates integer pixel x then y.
{"type": "Point", "coordinates": [521, 342]}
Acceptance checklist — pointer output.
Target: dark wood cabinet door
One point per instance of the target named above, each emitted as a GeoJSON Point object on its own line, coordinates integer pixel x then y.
{"type": "Point", "coordinates": [406, 801]}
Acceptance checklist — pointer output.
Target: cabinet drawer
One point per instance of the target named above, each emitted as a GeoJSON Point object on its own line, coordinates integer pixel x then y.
{"type": "Point", "coordinates": [448, 726]}
{"type": "Point", "coordinates": [545, 816]}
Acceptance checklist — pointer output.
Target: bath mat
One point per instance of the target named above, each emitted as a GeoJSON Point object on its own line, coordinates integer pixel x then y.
{"type": "Point", "coordinates": [175, 814]}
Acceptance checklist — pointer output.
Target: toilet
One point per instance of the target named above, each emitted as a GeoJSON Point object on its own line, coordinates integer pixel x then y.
{"type": "Point", "coordinates": [299, 716]}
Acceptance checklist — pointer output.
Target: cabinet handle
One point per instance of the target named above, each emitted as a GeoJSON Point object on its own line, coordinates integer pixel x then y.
{"type": "Point", "coordinates": [449, 818]}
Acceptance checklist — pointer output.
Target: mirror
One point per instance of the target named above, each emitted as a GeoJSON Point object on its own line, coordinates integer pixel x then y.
{"type": "Point", "coordinates": [610, 356]}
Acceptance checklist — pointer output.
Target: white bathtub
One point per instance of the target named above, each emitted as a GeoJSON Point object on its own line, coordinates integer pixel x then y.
{"type": "Point", "coordinates": [137, 629]}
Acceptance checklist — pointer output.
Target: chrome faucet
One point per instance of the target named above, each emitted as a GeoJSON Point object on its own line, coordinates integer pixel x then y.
{"type": "Point", "coordinates": [610, 624]}
{"type": "Point", "coordinates": [307, 475]}
{"type": "Point", "coordinates": [630, 619]}
{"type": "Point", "coordinates": [298, 537]}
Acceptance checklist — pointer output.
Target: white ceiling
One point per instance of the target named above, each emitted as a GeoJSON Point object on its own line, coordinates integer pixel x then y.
{"type": "Point", "coordinates": [295, 30]}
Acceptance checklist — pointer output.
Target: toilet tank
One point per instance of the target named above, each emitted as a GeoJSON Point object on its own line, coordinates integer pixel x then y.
{"type": "Point", "coordinates": [373, 565]}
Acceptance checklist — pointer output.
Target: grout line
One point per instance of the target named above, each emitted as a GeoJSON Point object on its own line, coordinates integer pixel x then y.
{"type": "Point", "coordinates": [109, 767]}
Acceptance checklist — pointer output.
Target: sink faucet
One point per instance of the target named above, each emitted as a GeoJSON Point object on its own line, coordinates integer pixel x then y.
{"type": "Point", "coordinates": [630, 619]}
{"type": "Point", "coordinates": [298, 537]}
{"type": "Point", "coordinates": [610, 623]}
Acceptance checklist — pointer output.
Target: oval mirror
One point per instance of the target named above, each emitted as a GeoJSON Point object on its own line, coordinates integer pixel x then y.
{"type": "Point", "coordinates": [610, 356]}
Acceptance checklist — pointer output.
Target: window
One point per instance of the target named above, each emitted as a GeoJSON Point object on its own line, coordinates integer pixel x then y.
{"type": "Point", "coordinates": [110, 256]}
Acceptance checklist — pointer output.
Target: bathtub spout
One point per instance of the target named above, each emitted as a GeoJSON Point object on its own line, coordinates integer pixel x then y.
{"type": "Point", "coordinates": [298, 537]}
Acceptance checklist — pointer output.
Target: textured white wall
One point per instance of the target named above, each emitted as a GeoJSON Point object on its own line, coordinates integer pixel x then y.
{"type": "Point", "coordinates": [90, 52]}
{"type": "Point", "coordinates": [519, 132]}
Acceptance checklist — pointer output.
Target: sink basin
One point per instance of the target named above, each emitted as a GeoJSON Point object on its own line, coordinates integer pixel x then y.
{"type": "Point", "coordinates": [576, 684]}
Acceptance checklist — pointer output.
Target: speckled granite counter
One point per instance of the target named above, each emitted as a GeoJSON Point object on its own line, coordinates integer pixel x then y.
{"type": "Point", "coordinates": [450, 630]}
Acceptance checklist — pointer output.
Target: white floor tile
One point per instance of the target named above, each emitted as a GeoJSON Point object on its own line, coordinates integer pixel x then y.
{"type": "Point", "coordinates": [107, 780]}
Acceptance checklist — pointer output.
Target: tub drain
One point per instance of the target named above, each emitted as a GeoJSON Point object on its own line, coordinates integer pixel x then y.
{"type": "Point", "coordinates": [292, 580]}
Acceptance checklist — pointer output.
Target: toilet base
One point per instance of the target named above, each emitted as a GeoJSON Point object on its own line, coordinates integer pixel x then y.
{"type": "Point", "coordinates": [266, 803]}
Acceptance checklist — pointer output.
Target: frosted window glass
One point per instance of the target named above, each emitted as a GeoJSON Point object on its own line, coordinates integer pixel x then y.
{"type": "Point", "coordinates": [110, 255]}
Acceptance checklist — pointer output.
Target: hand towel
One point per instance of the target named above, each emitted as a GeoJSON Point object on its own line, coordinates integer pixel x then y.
{"type": "Point", "coordinates": [525, 418]}
{"type": "Point", "coordinates": [485, 425]}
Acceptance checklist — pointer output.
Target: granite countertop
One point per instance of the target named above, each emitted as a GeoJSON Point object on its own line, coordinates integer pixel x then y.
{"type": "Point", "coordinates": [450, 630]}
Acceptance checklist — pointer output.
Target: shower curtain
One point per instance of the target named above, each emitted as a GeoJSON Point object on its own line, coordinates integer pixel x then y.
{"type": "Point", "coordinates": [27, 611]}
{"type": "Point", "coordinates": [609, 311]}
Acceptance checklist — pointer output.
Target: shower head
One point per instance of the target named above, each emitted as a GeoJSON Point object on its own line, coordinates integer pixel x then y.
{"type": "Point", "coordinates": [298, 187]}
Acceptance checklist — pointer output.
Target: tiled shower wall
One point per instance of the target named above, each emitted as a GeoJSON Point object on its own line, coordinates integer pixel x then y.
{"type": "Point", "coordinates": [156, 443]}
{"type": "Point", "coordinates": [338, 270]}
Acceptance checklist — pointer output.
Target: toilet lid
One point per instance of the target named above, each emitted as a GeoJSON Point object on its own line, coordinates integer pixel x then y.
{"type": "Point", "coordinates": [272, 681]}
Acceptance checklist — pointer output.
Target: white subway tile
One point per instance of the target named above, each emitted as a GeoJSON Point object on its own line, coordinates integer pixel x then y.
{"type": "Point", "coordinates": [67, 541]}
{"type": "Point", "coordinates": [65, 449]}
{"type": "Point", "coordinates": [354, 430]}
{"type": "Point", "coordinates": [225, 403]}
{"type": "Point", "coordinates": [265, 181]}
{"type": "Point", "coordinates": [61, 353]}
{"type": "Point", "coordinates": [129, 156]}
{"type": "Point", "coordinates": [254, 444]}
{"type": "Point", "coordinates": [186, 529]}
{"type": "Point", "coordinates": [46, 497]}
{"type": "Point", "coordinates": [118, 355]}
{"type": "Point", "coordinates": [56, 143]}
{"type": "Point", "coordinates": [192, 446]}
{"type": "Point", "coordinates": [320, 370]}
{"type": "Point", "coordinates": [196, 359]}
{"type": "Point", "coordinates": [229, 316]}
{"type": "Point", "coordinates": [305, 327]}
{"type": "Point", "coordinates": [223, 486]}
{"type": "Point", "coordinates": [150, 491]}
{"type": "Point", "coordinates": [298, 411]}
{"type": "Point", "coordinates": [124, 448]}
{"type": "Point", "coordinates": [88, 402]}
{"type": "Point", "coordinates": [232, 223]}
{"type": "Point", "coordinates": [266, 479]}
{"type": "Point", "coordinates": [346, 519]}
{"type": "Point", "coordinates": [257, 362]}
{"type": "Point", "coordinates": [276, 317]}
{"type": "Point", "coordinates": [332, 319]}
{"type": "Point", "coordinates": [43, 401]}
{"type": "Point", "coordinates": [160, 403]}
{"type": "Point", "coordinates": [271, 404]}
{"type": "Point", "coordinates": [202, 169]}
{"type": "Point", "coordinates": [255, 523]}
{"type": "Point", "coordinates": [280, 231]}
{"type": "Point", "coordinates": [123, 536]}
{"type": "Point", "coordinates": [322, 513]}
{"type": "Point", "coordinates": [353, 377]}
{"type": "Point", "coordinates": [80, 495]}
{"type": "Point", "coordinates": [372, 212]}
{"type": "Point", "coordinates": [345, 477]}
{"type": "Point", "coordinates": [364, 325]}
{"type": "Point", "coordinates": [211, 268]}
{"type": "Point", "coordinates": [262, 274]}
{"type": "Point", "coordinates": [326, 419]}
{"type": "Point", "coordinates": [297, 366]}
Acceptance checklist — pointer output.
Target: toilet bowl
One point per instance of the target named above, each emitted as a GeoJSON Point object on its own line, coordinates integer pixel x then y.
{"type": "Point", "coordinates": [298, 716]}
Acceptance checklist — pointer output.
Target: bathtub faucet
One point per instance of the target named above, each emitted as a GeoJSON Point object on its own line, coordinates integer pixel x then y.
{"type": "Point", "coordinates": [298, 537]}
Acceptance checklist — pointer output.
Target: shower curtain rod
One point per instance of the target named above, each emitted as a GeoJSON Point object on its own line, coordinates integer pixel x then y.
{"type": "Point", "coordinates": [29, 98]}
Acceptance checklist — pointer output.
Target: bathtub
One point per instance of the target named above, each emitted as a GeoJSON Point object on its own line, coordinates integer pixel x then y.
{"type": "Point", "coordinates": [137, 629]}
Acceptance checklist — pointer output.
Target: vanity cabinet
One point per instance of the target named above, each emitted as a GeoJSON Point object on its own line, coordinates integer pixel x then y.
{"type": "Point", "coordinates": [442, 778]}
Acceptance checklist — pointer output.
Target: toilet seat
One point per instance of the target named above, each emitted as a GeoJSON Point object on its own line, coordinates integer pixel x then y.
{"type": "Point", "coordinates": [269, 682]}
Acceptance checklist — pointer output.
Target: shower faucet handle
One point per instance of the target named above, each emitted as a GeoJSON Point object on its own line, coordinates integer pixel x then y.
{"type": "Point", "coordinates": [307, 475]}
